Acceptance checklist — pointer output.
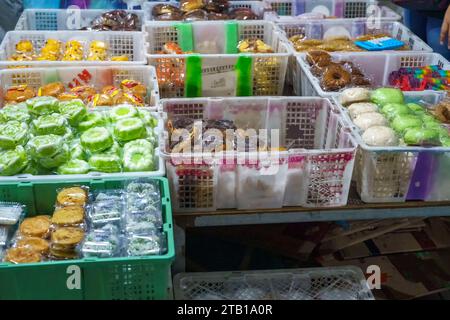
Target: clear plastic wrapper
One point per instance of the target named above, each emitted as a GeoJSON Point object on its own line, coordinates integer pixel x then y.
{"type": "Point", "coordinates": [102, 243]}
{"type": "Point", "coordinates": [146, 245]}
{"type": "Point", "coordinates": [10, 212]}
{"type": "Point", "coordinates": [72, 196]}
{"type": "Point", "coordinates": [143, 222]}
{"type": "Point", "coordinates": [108, 207]}
{"type": "Point", "coordinates": [4, 231]}
{"type": "Point", "coordinates": [37, 226]}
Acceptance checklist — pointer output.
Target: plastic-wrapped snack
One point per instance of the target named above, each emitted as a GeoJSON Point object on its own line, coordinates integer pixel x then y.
{"type": "Point", "coordinates": [10, 212]}
{"type": "Point", "coordinates": [19, 93]}
{"type": "Point", "coordinates": [145, 222]}
{"type": "Point", "coordinates": [105, 162]}
{"type": "Point", "coordinates": [22, 255]}
{"type": "Point", "coordinates": [4, 231]}
{"type": "Point", "coordinates": [74, 166]}
{"type": "Point", "coordinates": [53, 123]}
{"type": "Point", "coordinates": [129, 129]}
{"type": "Point", "coordinates": [44, 146]}
{"type": "Point", "coordinates": [72, 196]}
{"type": "Point", "coordinates": [122, 111]}
{"type": "Point", "coordinates": [42, 105]}
{"type": "Point", "coordinates": [15, 112]}
{"type": "Point", "coordinates": [53, 89]}
{"type": "Point", "coordinates": [98, 51]}
{"type": "Point", "coordinates": [56, 160]}
{"type": "Point", "coordinates": [74, 111]}
{"type": "Point", "coordinates": [68, 216]}
{"type": "Point", "coordinates": [103, 243]}
{"type": "Point", "coordinates": [73, 51]}
{"type": "Point", "coordinates": [83, 92]}
{"type": "Point", "coordinates": [254, 46]}
{"type": "Point", "coordinates": [145, 245]}
{"type": "Point", "coordinates": [38, 226]}
{"type": "Point", "coordinates": [51, 50]}
{"type": "Point", "coordinates": [107, 208]}
{"type": "Point", "coordinates": [138, 156]}
{"type": "Point", "coordinates": [96, 139]}
{"type": "Point", "coordinates": [64, 242]}
{"type": "Point", "coordinates": [13, 161]}
{"type": "Point", "coordinates": [144, 202]}
{"type": "Point", "coordinates": [36, 244]}
{"type": "Point", "coordinates": [134, 87]}
{"type": "Point", "coordinates": [148, 118]}
{"type": "Point", "coordinates": [12, 134]}
{"type": "Point", "coordinates": [67, 96]}
{"type": "Point", "coordinates": [93, 119]}
{"type": "Point", "coordinates": [101, 99]}
{"type": "Point", "coordinates": [143, 188]}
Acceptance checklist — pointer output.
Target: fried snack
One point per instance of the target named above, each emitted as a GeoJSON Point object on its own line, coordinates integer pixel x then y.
{"type": "Point", "coordinates": [25, 46]}
{"type": "Point", "coordinates": [101, 99]}
{"type": "Point", "coordinates": [62, 254]}
{"type": "Point", "coordinates": [53, 89]}
{"type": "Point", "coordinates": [172, 48]}
{"type": "Point", "coordinates": [120, 58]}
{"type": "Point", "coordinates": [127, 98]}
{"type": "Point", "coordinates": [34, 243]}
{"type": "Point", "coordinates": [189, 5]}
{"type": "Point", "coordinates": [254, 46]}
{"type": "Point", "coordinates": [37, 226]}
{"type": "Point", "coordinates": [20, 93]}
{"type": "Point", "coordinates": [98, 51]}
{"type": "Point", "coordinates": [67, 236]}
{"type": "Point", "coordinates": [335, 77]}
{"type": "Point", "coordinates": [110, 90]}
{"type": "Point", "coordinates": [442, 111]}
{"type": "Point", "coordinates": [51, 51]}
{"type": "Point", "coordinates": [67, 96]}
{"type": "Point", "coordinates": [73, 51]}
{"type": "Point", "coordinates": [83, 92]}
{"type": "Point", "coordinates": [73, 196]}
{"type": "Point", "coordinates": [318, 58]}
{"type": "Point", "coordinates": [134, 87]}
{"type": "Point", "coordinates": [68, 216]}
{"type": "Point", "coordinates": [22, 255]}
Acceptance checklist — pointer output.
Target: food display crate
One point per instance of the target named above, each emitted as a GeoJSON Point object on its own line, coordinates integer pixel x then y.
{"type": "Point", "coordinates": [217, 72]}
{"type": "Point", "coordinates": [333, 283]}
{"type": "Point", "coordinates": [95, 76]}
{"type": "Point", "coordinates": [398, 174]}
{"type": "Point", "coordinates": [376, 67]}
{"type": "Point", "coordinates": [287, 10]}
{"type": "Point", "coordinates": [119, 43]}
{"type": "Point", "coordinates": [146, 277]}
{"type": "Point", "coordinates": [316, 30]}
{"type": "Point", "coordinates": [62, 19]}
{"type": "Point", "coordinates": [258, 7]}
{"type": "Point", "coordinates": [315, 172]}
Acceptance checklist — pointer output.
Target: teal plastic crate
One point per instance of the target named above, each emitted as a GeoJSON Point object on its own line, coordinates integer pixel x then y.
{"type": "Point", "coordinates": [89, 278]}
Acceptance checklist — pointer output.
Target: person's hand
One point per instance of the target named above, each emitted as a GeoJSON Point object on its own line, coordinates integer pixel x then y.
{"type": "Point", "coordinates": [445, 34]}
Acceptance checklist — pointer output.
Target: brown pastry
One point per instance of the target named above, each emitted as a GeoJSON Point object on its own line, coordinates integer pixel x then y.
{"type": "Point", "coordinates": [442, 111]}
{"type": "Point", "coordinates": [189, 5]}
{"type": "Point", "coordinates": [134, 87]}
{"type": "Point", "coordinates": [63, 255]}
{"type": "Point", "coordinates": [22, 255]}
{"type": "Point", "coordinates": [34, 243]}
{"type": "Point", "coordinates": [68, 216]}
{"type": "Point", "coordinates": [67, 96]}
{"type": "Point", "coordinates": [335, 78]}
{"type": "Point", "coordinates": [67, 236]}
{"type": "Point", "coordinates": [83, 92]}
{"type": "Point", "coordinates": [19, 93]}
{"type": "Point", "coordinates": [195, 15]}
{"type": "Point", "coordinates": [318, 58]}
{"type": "Point", "coordinates": [101, 99]}
{"type": "Point", "coordinates": [38, 226]}
{"type": "Point", "coordinates": [53, 89]}
{"type": "Point", "coordinates": [162, 8]}
{"type": "Point", "coordinates": [72, 196]}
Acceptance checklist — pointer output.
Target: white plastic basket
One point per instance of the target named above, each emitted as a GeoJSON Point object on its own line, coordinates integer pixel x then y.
{"type": "Point", "coordinates": [287, 10]}
{"type": "Point", "coordinates": [62, 19]}
{"type": "Point", "coordinates": [257, 7]}
{"type": "Point", "coordinates": [377, 67]}
{"type": "Point", "coordinates": [217, 68]}
{"type": "Point", "coordinates": [315, 172]}
{"type": "Point", "coordinates": [73, 76]}
{"type": "Point", "coordinates": [332, 283]}
{"type": "Point", "coordinates": [397, 174]}
{"type": "Point", "coordinates": [119, 43]}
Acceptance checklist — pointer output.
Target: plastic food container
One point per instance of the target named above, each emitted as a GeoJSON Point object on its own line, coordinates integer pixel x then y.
{"type": "Point", "coordinates": [144, 277]}
{"type": "Point", "coordinates": [119, 43]}
{"type": "Point", "coordinates": [315, 172]}
{"type": "Point", "coordinates": [258, 7]}
{"type": "Point", "coordinates": [333, 283]}
{"type": "Point", "coordinates": [376, 67]}
{"type": "Point", "coordinates": [217, 69]}
{"type": "Point", "coordinates": [287, 10]}
{"type": "Point", "coordinates": [397, 174]}
{"type": "Point", "coordinates": [98, 77]}
{"type": "Point", "coordinates": [62, 19]}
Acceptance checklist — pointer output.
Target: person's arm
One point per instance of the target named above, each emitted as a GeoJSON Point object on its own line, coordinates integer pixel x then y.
{"type": "Point", "coordinates": [445, 34]}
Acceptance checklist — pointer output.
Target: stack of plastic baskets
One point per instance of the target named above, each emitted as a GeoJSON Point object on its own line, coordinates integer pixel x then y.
{"type": "Point", "coordinates": [146, 277]}
{"type": "Point", "coordinates": [377, 68]}
{"type": "Point", "coordinates": [217, 69]}
{"type": "Point", "coordinates": [397, 174]}
{"type": "Point", "coordinates": [315, 172]}
{"type": "Point", "coordinates": [287, 10]}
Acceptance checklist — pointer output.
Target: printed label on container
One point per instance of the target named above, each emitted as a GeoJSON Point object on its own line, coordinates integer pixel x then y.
{"type": "Point", "coordinates": [219, 77]}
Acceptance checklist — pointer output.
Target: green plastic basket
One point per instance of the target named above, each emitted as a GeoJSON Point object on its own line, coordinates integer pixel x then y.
{"type": "Point", "coordinates": [89, 278]}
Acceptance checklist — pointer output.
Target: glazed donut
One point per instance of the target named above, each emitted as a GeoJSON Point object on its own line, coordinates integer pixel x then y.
{"type": "Point", "coordinates": [318, 58]}
{"type": "Point", "coordinates": [335, 78]}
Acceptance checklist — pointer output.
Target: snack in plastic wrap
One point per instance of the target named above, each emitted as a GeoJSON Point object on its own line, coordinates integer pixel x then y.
{"type": "Point", "coordinates": [83, 92]}
{"type": "Point", "coordinates": [134, 87]}
{"type": "Point", "coordinates": [10, 212]}
{"type": "Point", "coordinates": [12, 161]}
{"type": "Point", "coordinates": [402, 122]}
{"type": "Point", "coordinates": [109, 163]}
{"type": "Point", "coordinates": [102, 243]}
{"type": "Point", "coordinates": [72, 196]}
{"type": "Point", "coordinates": [120, 58]}
{"type": "Point", "coordinates": [144, 245]}
{"type": "Point", "coordinates": [384, 96]}
{"type": "Point", "coordinates": [129, 129]}
{"type": "Point", "coordinates": [138, 156]}
{"type": "Point", "coordinates": [53, 123]}
{"type": "Point", "coordinates": [101, 99]}
{"type": "Point", "coordinates": [74, 166]}
{"type": "Point", "coordinates": [107, 208]}
{"type": "Point", "coordinates": [68, 216]}
{"type": "Point", "coordinates": [22, 255]}
{"type": "Point", "coordinates": [353, 95]}
{"type": "Point", "coordinates": [96, 139]}
{"type": "Point", "coordinates": [15, 112]}
{"type": "Point", "coordinates": [92, 120]}
{"type": "Point", "coordinates": [53, 89]}
{"type": "Point", "coordinates": [74, 111]}
{"type": "Point", "coordinates": [366, 120]}
{"type": "Point", "coordinates": [116, 20]}
{"type": "Point", "coordinates": [254, 46]}
{"type": "Point", "coordinates": [36, 244]}
{"type": "Point", "coordinates": [44, 146]}
{"type": "Point", "coordinates": [243, 14]}
{"type": "Point", "coordinates": [38, 226]}
{"type": "Point", "coordinates": [64, 242]}
{"type": "Point", "coordinates": [358, 108]}
{"type": "Point", "coordinates": [380, 136]}
{"type": "Point", "coordinates": [13, 134]}
{"type": "Point", "coordinates": [42, 105]}
{"type": "Point", "coordinates": [422, 136]}
{"type": "Point", "coordinates": [4, 231]}
{"type": "Point", "coordinates": [98, 51]}
{"type": "Point", "coordinates": [122, 111]}
{"type": "Point", "coordinates": [51, 50]}
{"type": "Point", "coordinates": [19, 93]}
{"type": "Point", "coordinates": [54, 161]}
